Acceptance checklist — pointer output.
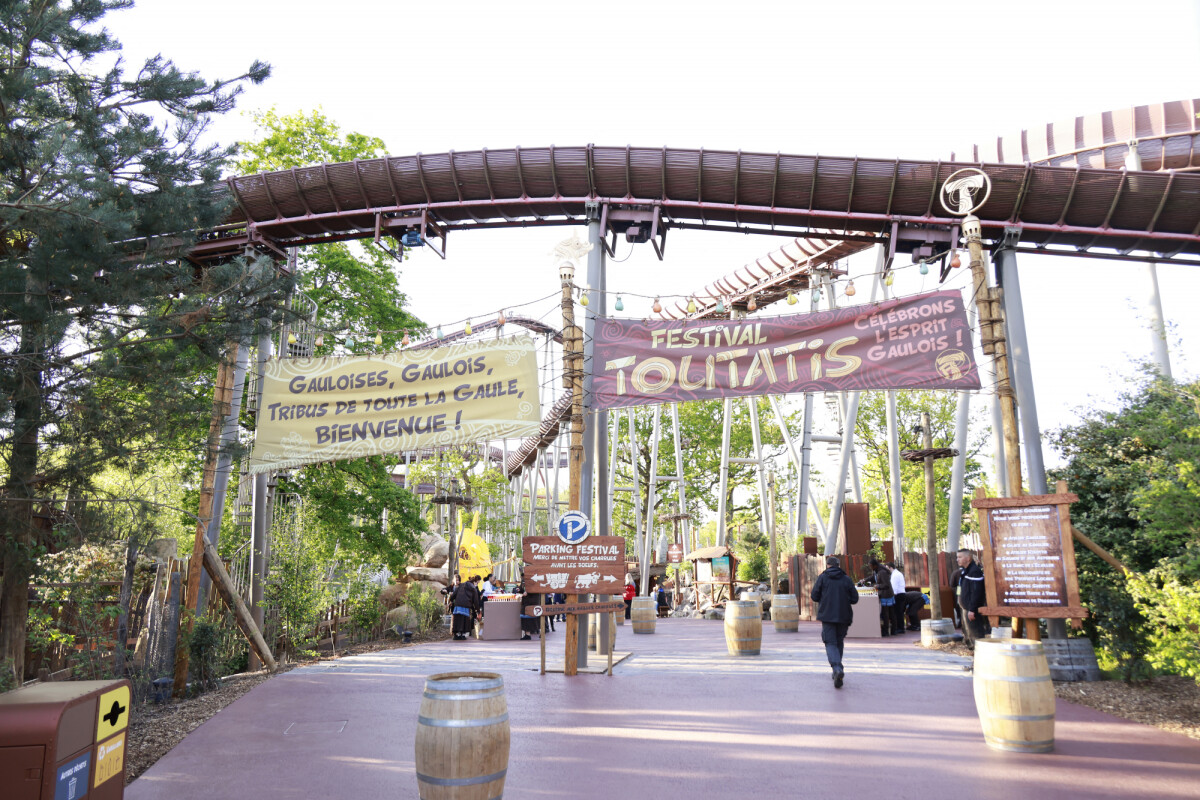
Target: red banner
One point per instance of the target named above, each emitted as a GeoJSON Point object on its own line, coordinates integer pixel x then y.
{"type": "Point", "coordinates": [910, 343]}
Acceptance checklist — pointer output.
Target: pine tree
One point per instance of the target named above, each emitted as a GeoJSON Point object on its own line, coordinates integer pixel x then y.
{"type": "Point", "coordinates": [107, 332]}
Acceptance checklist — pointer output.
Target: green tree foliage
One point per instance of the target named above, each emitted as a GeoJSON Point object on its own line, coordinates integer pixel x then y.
{"type": "Point", "coordinates": [355, 286]}
{"type": "Point", "coordinates": [1135, 471]}
{"type": "Point", "coordinates": [103, 326]}
{"type": "Point", "coordinates": [358, 513]}
{"type": "Point", "coordinates": [871, 438]}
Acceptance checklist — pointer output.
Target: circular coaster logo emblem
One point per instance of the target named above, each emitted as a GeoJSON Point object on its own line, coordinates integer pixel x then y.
{"type": "Point", "coordinates": [951, 363]}
{"type": "Point", "coordinates": [574, 527]}
{"type": "Point", "coordinates": [966, 191]}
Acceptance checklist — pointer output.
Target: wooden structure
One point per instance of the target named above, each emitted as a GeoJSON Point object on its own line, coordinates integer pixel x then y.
{"type": "Point", "coordinates": [1029, 557]}
{"type": "Point", "coordinates": [715, 571]}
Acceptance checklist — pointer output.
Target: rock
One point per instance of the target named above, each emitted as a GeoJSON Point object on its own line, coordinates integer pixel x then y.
{"type": "Point", "coordinates": [429, 540]}
{"type": "Point", "coordinates": [715, 613]}
{"type": "Point", "coordinates": [162, 549]}
{"type": "Point", "coordinates": [393, 595]}
{"type": "Point", "coordinates": [430, 587]}
{"type": "Point", "coordinates": [441, 576]}
{"type": "Point", "coordinates": [437, 554]}
{"type": "Point", "coordinates": [404, 617]}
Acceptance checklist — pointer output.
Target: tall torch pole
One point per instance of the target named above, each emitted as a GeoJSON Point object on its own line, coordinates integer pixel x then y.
{"type": "Point", "coordinates": [962, 191]}
{"type": "Point", "coordinates": [573, 380]}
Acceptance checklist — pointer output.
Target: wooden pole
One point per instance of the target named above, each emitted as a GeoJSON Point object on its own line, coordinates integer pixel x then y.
{"type": "Point", "coordinates": [991, 333]}
{"type": "Point", "coordinates": [771, 522]}
{"type": "Point", "coordinates": [931, 548]}
{"type": "Point", "coordinates": [573, 378]}
{"type": "Point", "coordinates": [229, 593]}
{"type": "Point", "coordinates": [222, 399]}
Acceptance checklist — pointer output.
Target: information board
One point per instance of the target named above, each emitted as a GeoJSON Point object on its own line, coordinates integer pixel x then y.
{"type": "Point", "coordinates": [1029, 556]}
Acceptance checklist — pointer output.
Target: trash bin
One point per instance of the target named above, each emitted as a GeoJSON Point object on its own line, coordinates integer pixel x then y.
{"type": "Point", "coordinates": [64, 741]}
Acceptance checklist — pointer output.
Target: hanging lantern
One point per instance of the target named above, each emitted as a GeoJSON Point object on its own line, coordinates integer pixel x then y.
{"type": "Point", "coordinates": [378, 339]}
{"type": "Point", "coordinates": [620, 305]}
{"type": "Point", "coordinates": [405, 341]}
{"type": "Point", "coordinates": [583, 299]}
{"type": "Point", "coordinates": [439, 331]}
{"type": "Point", "coordinates": [467, 330]}
{"type": "Point", "coordinates": [320, 340]}
{"type": "Point", "coordinates": [720, 305]}
{"type": "Point", "coordinates": [850, 290]}
{"type": "Point", "coordinates": [791, 299]}
{"type": "Point", "coordinates": [691, 306]}
{"type": "Point", "coordinates": [924, 268]}
{"type": "Point", "coordinates": [752, 305]}
{"type": "Point", "coordinates": [291, 338]}
{"type": "Point", "coordinates": [890, 279]}
{"type": "Point", "coordinates": [501, 319]}
{"type": "Point", "coordinates": [657, 307]}
{"type": "Point", "coordinates": [955, 261]}
{"type": "Point", "coordinates": [349, 344]}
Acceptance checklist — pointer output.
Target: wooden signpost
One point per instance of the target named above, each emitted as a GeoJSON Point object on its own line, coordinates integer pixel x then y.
{"type": "Point", "coordinates": [595, 566]}
{"type": "Point", "coordinates": [1029, 558]}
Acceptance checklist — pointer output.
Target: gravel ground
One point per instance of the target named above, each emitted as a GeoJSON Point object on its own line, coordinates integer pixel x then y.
{"type": "Point", "coordinates": [1169, 702]}
{"type": "Point", "coordinates": [155, 729]}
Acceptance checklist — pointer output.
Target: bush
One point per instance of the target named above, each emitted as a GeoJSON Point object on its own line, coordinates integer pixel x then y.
{"type": "Point", "coordinates": [364, 607]}
{"type": "Point", "coordinates": [1169, 599]}
{"type": "Point", "coordinates": [755, 567]}
{"type": "Point", "coordinates": [204, 646]}
{"type": "Point", "coordinates": [428, 606]}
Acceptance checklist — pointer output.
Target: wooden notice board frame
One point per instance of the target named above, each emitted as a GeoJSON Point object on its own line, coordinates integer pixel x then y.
{"type": "Point", "coordinates": [1062, 499]}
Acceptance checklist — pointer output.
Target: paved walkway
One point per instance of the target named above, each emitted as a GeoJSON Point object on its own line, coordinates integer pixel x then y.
{"type": "Point", "coordinates": [679, 718]}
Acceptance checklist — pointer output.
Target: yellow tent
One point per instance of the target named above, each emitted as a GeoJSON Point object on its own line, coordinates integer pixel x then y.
{"type": "Point", "coordinates": [474, 557]}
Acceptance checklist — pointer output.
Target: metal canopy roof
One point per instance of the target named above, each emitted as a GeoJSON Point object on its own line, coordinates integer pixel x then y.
{"type": "Point", "coordinates": [1082, 207]}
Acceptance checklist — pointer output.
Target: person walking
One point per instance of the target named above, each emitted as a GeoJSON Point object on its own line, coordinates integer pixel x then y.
{"type": "Point", "coordinates": [834, 594]}
{"type": "Point", "coordinates": [630, 593]}
{"type": "Point", "coordinates": [901, 595]}
{"type": "Point", "coordinates": [971, 596]}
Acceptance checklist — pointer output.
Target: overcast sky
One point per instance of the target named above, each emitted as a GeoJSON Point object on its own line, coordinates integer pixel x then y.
{"type": "Point", "coordinates": [913, 80]}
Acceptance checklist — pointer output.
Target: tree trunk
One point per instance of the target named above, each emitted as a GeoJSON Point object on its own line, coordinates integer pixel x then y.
{"type": "Point", "coordinates": [131, 552]}
{"type": "Point", "coordinates": [20, 491]}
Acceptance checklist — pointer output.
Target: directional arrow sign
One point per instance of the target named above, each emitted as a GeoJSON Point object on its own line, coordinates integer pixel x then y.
{"type": "Point", "coordinates": [590, 608]}
{"type": "Point", "coordinates": [596, 566]}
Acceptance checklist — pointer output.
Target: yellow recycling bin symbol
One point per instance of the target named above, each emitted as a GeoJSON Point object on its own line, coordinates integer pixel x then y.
{"type": "Point", "coordinates": [113, 712]}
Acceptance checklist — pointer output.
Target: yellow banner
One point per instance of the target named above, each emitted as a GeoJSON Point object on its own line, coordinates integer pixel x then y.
{"type": "Point", "coordinates": [334, 408]}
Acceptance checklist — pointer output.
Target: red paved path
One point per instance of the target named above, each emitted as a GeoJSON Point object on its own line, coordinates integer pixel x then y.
{"type": "Point", "coordinates": [680, 719]}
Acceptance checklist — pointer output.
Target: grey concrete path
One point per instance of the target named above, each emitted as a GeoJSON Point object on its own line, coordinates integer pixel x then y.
{"type": "Point", "coordinates": [679, 718]}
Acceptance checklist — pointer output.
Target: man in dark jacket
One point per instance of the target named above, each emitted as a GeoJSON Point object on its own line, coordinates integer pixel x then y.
{"type": "Point", "coordinates": [971, 596]}
{"type": "Point", "coordinates": [834, 594]}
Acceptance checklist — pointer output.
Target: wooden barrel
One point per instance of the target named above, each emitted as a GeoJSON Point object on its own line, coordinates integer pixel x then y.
{"type": "Point", "coordinates": [743, 628]}
{"type": "Point", "coordinates": [593, 632]}
{"type": "Point", "coordinates": [785, 613]}
{"type": "Point", "coordinates": [1014, 695]}
{"type": "Point", "coordinates": [756, 598]}
{"type": "Point", "coordinates": [937, 631]}
{"type": "Point", "coordinates": [643, 613]}
{"type": "Point", "coordinates": [462, 737]}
